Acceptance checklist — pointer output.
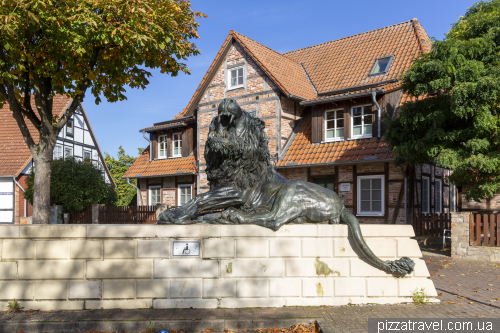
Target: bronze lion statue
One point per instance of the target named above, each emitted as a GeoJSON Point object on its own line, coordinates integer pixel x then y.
{"type": "Point", "coordinates": [245, 184]}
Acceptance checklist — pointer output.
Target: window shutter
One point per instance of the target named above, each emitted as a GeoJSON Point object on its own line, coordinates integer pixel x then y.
{"type": "Point", "coordinates": [169, 145]}
{"type": "Point", "coordinates": [317, 125]}
{"type": "Point", "coordinates": [187, 142]}
{"type": "Point", "coordinates": [154, 146]}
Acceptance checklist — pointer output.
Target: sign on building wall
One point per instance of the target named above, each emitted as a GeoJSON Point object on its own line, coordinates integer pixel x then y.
{"type": "Point", "coordinates": [345, 187]}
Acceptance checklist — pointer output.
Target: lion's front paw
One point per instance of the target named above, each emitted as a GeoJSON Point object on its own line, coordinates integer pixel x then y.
{"type": "Point", "coordinates": [177, 216]}
{"type": "Point", "coordinates": [233, 215]}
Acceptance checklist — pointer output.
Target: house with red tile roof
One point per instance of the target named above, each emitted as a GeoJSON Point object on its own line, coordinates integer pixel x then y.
{"type": "Point", "coordinates": [75, 139]}
{"type": "Point", "coordinates": [323, 108]}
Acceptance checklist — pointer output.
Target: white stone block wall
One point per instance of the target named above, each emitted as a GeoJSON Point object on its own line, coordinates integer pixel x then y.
{"type": "Point", "coordinates": [132, 266]}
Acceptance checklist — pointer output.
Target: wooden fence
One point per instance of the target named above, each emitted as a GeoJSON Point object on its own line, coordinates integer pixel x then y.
{"type": "Point", "coordinates": [127, 215]}
{"type": "Point", "coordinates": [81, 217]}
{"type": "Point", "coordinates": [431, 224]}
{"type": "Point", "coordinates": [484, 230]}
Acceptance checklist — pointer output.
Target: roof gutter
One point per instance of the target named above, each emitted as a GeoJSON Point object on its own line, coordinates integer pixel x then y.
{"type": "Point", "coordinates": [139, 196]}
{"type": "Point", "coordinates": [296, 97]}
{"type": "Point", "coordinates": [19, 185]}
{"type": "Point", "coordinates": [354, 88]}
{"type": "Point", "coordinates": [341, 97]}
{"type": "Point", "coordinates": [179, 173]}
{"type": "Point", "coordinates": [144, 135]}
{"type": "Point", "coordinates": [333, 163]}
{"type": "Point", "coordinates": [149, 130]}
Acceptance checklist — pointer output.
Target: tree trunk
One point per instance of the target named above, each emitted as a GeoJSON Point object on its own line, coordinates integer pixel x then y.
{"type": "Point", "coordinates": [41, 186]}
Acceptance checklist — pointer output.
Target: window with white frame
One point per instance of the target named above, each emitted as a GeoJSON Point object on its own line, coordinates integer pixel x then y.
{"type": "Point", "coordinates": [334, 124]}
{"type": "Point", "coordinates": [362, 121]}
{"type": "Point", "coordinates": [68, 151]}
{"type": "Point", "coordinates": [425, 195]}
{"type": "Point", "coordinates": [438, 197]}
{"type": "Point", "coordinates": [371, 195]}
{"type": "Point", "coordinates": [453, 198]}
{"type": "Point", "coordinates": [58, 153]}
{"type": "Point", "coordinates": [154, 195]}
{"type": "Point", "coordinates": [184, 194]}
{"type": "Point", "coordinates": [177, 145]}
{"type": "Point", "coordinates": [87, 155]}
{"type": "Point", "coordinates": [162, 146]}
{"type": "Point", "coordinates": [236, 77]}
{"type": "Point", "coordinates": [69, 127]}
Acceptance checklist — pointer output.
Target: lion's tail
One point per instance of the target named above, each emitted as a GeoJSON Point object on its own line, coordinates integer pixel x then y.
{"type": "Point", "coordinates": [401, 266]}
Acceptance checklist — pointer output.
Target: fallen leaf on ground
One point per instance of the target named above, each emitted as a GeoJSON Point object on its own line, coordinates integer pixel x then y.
{"type": "Point", "coordinates": [490, 289]}
{"type": "Point", "coordinates": [490, 285]}
{"type": "Point", "coordinates": [472, 302]}
{"type": "Point", "coordinates": [460, 303]}
{"type": "Point", "coordinates": [451, 302]}
{"type": "Point", "coordinates": [439, 294]}
{"type": "Point", "coordinates": [441, 275]}
{"type": "Point", "coordinates": [461, 297]}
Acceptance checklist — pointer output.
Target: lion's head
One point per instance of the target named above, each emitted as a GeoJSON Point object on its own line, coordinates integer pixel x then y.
{"type": "Point", "coordinates": [236, 150]}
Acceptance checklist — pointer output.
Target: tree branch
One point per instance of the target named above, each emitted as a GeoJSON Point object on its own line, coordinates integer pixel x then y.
{"type": "Point", "coordinates": [79, 98]}
{"type": "Point", "coordinates": [28, 110]}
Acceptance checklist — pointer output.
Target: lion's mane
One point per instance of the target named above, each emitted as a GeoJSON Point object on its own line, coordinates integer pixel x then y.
{"type": "Point", "coordinates": [242, 163]}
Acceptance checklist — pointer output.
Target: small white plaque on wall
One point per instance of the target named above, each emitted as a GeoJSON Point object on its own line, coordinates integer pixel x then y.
{"type": "Point", "coordinates": [345, 187]}
{"type": "Point", "coordinates": [186, 248]}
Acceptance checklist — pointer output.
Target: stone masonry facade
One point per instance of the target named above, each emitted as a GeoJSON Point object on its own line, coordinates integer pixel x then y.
{"type": "Point", "coordinates": [460, 244]}
{"type": "Point", "coordinates": [125, 266]}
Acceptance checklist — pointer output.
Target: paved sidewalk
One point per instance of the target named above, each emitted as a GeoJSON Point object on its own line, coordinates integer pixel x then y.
{"type": "Point", "coordinates": [468, 289]}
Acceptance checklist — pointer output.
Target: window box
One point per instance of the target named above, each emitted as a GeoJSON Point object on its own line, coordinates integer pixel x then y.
{"type": "Point", "coordinates": [361, 121]}
{"type": "Point", "coordinates": [236, 77]}
{"type": "Point", "coordinates": [371, 197]}
{"type": "Point", "coordinates": [334, 125]}
{"type": "Point", "coordinates": [185, 194]}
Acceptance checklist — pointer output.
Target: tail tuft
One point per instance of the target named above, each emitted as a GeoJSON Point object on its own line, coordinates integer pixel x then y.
{"type": "Point", "coordinates": [401, 266]}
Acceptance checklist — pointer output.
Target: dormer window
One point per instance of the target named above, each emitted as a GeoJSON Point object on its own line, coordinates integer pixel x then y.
{"type": "Point", "coordinates": [362, 117]}
{"type": "Point", "coordinates": [177, 145]}
{"type": "Point", "coordinates": [236, 77]}
{"type": "Point", "coordinates": [162, 146]}
{"type": "Point", "coordinates": [334, 120]}
{"type": "Point", "coordinates": [381, 66]}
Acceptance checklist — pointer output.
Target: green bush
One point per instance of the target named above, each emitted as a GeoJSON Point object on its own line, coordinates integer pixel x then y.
{"type": "Point", "coordinates": [75, 185]}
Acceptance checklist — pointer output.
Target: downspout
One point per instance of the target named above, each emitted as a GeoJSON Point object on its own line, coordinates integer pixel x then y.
{"type": "Point", "coordinates": [138, 192]}
{"type": "Point", "coordinates": [406, 192]}
{"type": "Point", "coordinates": [374, 95]}
{"type": "Point", "coordinates": [144, 135]}
{"type": "Point", "coordinates": [19, 185]}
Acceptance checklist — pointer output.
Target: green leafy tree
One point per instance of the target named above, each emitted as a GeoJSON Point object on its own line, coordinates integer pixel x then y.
{"type": "Point", "coordinates": [50, 47]}
{"type": "Point", "coordinates": [76, 185]}
{"type": "Point", "coordinates": [127, 195]}
{"type": "Point", "coordinates": [453, 119]}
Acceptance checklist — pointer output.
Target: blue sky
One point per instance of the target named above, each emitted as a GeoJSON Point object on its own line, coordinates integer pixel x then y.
{"type": "Point", "coordinates": [281, 25]}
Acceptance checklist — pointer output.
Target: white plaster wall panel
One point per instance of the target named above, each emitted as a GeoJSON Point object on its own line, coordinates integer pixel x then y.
{"type": "Point", "coordinates": [52, 305]}
{"type": "Point", "coordinates": [309, 267]}
{"type": "Point", "coordinates": [78, 136]}
{"type": "Point", "coordinates": [187, 231]}
{"type": "Point", "coordinates": [321, 287]}
{"type": "Point", "coordinates": [118, 289]}
{"type": "Point", "coordinates": [252, 288]}
{"type": "Point", "coordinates": [9, 231]}
{"type": "Point", "coordinates": [188, 288]}
{"type": "Point", "coordinates": [252, 302]}
{"type": "Point", "coordinates": [252, 268]}
{"type": "Point", "coordinates": [120, 231]}
{"type": "Point", "coordinates": [408, 286]}
{"type": "Point", "coordinates": [251, 248]}
{"type": "Point", "coordinates": [153, 249]}
{"type": "Point", "coordinates": [420, 269]}
{"type": "Point", "coordinates": [332, 230]}
{"type": "Point", "coordinates": [50, 269]}
{"type": "Point", "coordinates": [396, 230]}
{"type": "Point", "coordinates": [218, 288]}
{"type": "Point", "coordinates": [317, 247]}
{"type": "Point", "coordinates": [350, 287]}
{"type": "Point", "coordinates": [382, 287]}
{"type": "Point", "coordinates": [8, 270]}
{"type": "Point", "coordinates": [285, 287]}
{"type": "Point", "coordinates": [87, 138]}
{"type": "Point", "coordinates": [409, 248]}
{"type": "Point", "coordinates": [218, 248]}
{"type": "Point", "coordinates": [119, 249]}
{"type": "Point", "coordinates": [78, 150]}
{"type": "Point", "coordinates": [84, 289]}
{"type": "Point", "coordinates": [360, 267]}
{"type": "Point", "coordinates": [291, 230]}
{"type": "Point", "coordinates": [345, 247]}
{"type": "Point", "coordinates": [185, 304]}
{"type": "Point", "coordinates": [119, 269]}
{"type": "Point", "coordinates": [186, 268]}
{"type": "Point", "coordinates": [51, 290]}
{"type": "Point", "coordinates": [85, 249]}
{"type": "Point", "coordinates": [78, 120]}
{"type": "Point", "coordinates": [18, 290]}
{"type": "Point", "coordinates": [282, 247]}
{"type": "Point", "coordinates": [382, 247]}
{"type": "Point", "coordinates": [52, 249]}
{"type": "Point", "coordinates": [18, 249]}
{"type": "Point", "coordinates": [119, 304]}
{"type": "Point", "coordinates": [52, 231]}
{"type": "Point", "coordinates": [152, 288]}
